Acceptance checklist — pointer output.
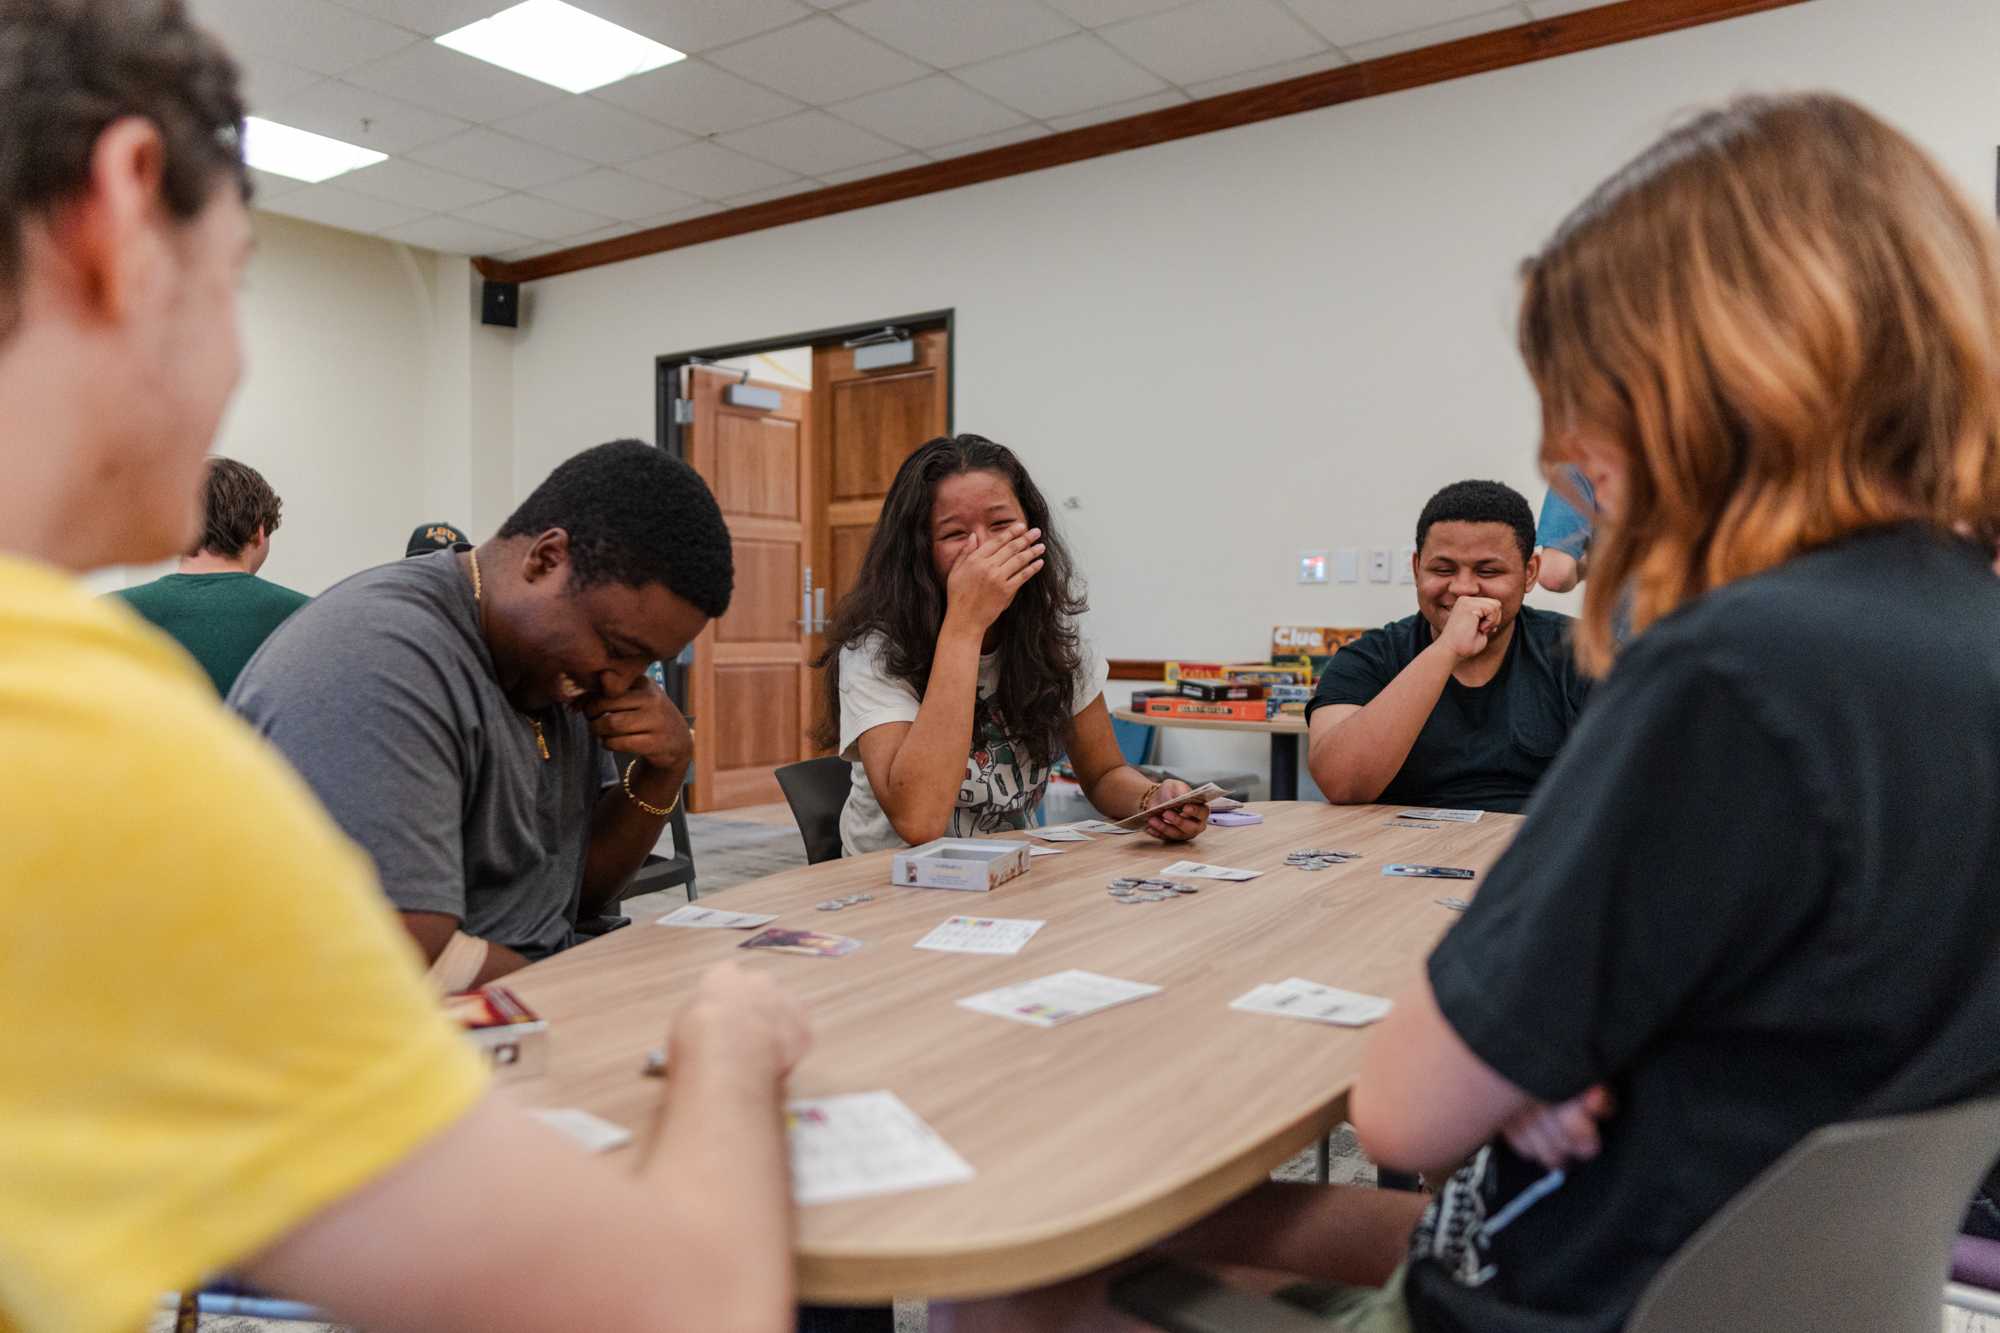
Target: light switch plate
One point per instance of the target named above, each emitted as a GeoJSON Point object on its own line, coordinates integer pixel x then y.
{"type": "Point", "coordinates": [1407, 571]}
{"type": "Point", "coordinates": [1312, 566]}
{"type": "Point", "coordinates": [1347, 565]}
{"type": "Point", "coordinates": [1378, 565]}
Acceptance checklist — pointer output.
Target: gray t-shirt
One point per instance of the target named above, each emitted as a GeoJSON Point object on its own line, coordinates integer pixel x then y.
{"type": "Point", "coordinates": [382, 695]}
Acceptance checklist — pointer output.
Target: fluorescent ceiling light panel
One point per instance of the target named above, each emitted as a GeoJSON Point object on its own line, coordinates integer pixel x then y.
{"type": "Point", "coordinates": [301, 154]}
{"type": "Point", "coordinates": [561, 45]}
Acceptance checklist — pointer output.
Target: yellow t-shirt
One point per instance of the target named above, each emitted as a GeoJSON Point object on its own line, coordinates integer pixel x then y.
{"type": "Point", "coordinates": [211, 1024]}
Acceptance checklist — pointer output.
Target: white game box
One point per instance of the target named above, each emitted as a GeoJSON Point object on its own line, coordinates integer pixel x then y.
{"type": "Point", "coordinates": [959, 863]}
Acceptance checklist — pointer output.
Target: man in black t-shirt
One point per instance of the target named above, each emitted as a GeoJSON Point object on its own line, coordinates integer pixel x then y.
{"type": "Point", "coordinates": [1465, 703]}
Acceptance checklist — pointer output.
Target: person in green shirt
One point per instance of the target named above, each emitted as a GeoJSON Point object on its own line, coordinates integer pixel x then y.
{"type": "Point", "coordinates": [215, 605]}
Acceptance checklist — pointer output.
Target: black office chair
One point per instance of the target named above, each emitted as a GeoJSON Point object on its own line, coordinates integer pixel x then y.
{"type": "Point", "coordinates": [816, 790]}
{"type": "Point", "coordinates": [654, 873]}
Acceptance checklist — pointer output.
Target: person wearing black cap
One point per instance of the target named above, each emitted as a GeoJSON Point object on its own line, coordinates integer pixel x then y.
{"type": "Point", "coordinates": [434, 537]}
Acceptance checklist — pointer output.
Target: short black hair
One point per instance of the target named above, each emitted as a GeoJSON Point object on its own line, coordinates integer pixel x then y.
{"type": "Point", "coordinates": [1481, 502]}
{"type": "Point", "coordinates": [235, 503]}
{"type": "Point", "coordinates": [68, 68]}
{"type": "Point", "coordinates": [635, 515]}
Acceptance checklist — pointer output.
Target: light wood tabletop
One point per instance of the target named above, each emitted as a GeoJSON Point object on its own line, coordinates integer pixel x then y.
{"type": "Point", "coordinates": [1276, 726]}
{"type": "Point", "coordinates": [1090, 1140]}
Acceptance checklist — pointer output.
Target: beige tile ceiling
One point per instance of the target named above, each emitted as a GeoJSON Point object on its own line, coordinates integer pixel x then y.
{"type": "Point", "coordinates": [776, 97]}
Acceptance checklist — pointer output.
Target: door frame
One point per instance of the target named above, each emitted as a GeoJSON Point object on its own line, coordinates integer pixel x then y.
{"type": "Point", "coordinates": [667, 393]}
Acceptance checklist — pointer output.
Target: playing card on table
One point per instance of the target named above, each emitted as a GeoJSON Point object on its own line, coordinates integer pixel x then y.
{"type": "Point", "coordinates": [1296, 997]}
{"type": "Point", "coordinates": [1202, 870]}
{"type": "Point", "coordinates": [1233, 818]}
{"type": "Point", "coordinates": [1045, 851]}
{"type": "Point", "coordinates": [1057, 998]}
{"type": "Point", "coordinates": [1100, 826]}
{"type": "Point", "coordinates": [712, 918]}
{"type": "Point", "coordinates": [1427, 872]}
{"type": "Point", "coordinates": [980, 934]}
{"type": "Point", "coordinates": [1057, 834]}
{"type": "Point", "coordinates": [595, 1133]}
{"type": "Point", "coordinates": [817, 943]}
{"type": "Point", "coordinates": [864, 1143]}
{"type": "Point", "coordinates": [1446, 816]}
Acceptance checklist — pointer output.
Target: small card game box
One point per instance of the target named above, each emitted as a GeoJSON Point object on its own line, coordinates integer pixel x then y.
{"type": "Point", "coordinates": [957, 863]}
{"type": "Point", "coordinates": [514, 1039]}
{"type": "Point", "coordinates": [1221, 689]}
{"type": "Point", "coordinates": [1224, 710]}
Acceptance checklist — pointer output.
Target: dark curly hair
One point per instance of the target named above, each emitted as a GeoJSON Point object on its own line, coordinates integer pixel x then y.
{"type": "Point", "coordinates": [1481, 502]}
{"type": "Point", "coordinates": [898, 597]}
{"type": "Point", "coordinates": [635, 515]}
{"type": "Point", "coordinates": [235, 503]}
{"type": "Point", "coordinates": [68, 68]}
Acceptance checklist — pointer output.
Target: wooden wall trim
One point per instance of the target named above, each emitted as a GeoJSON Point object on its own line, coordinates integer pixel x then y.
{"type": "Point", "coordinates": [1583, 30]}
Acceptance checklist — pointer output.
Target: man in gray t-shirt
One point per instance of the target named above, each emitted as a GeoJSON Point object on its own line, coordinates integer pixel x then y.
{"type": "Point", "coordinates": [480, 719]}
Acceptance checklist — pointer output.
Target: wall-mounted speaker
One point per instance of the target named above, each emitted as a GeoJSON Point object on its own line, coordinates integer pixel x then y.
{"type": "Point", "coordinates": [500, 303]}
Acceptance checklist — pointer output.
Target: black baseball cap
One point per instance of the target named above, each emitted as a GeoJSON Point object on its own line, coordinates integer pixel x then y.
{"type": "Point", "coordinates": [433, 537]}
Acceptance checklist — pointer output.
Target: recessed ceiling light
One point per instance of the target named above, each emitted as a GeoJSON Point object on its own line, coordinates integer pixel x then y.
{"type": "Point", "coordinates": [300, 154]}
{"type": "Point", "coordinates": [560, 44]}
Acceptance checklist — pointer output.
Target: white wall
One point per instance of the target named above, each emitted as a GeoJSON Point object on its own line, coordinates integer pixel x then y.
{"type": "Point", "coordinates": [1301, 327]}
{"type": "Point", "coordinates": [357, 399]}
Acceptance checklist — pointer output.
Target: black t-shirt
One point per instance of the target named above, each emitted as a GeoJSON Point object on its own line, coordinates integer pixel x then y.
{"type": "Point", "coordinates": [1483, 747]}
{"type": "Point", "coordinates": [1754, 897]}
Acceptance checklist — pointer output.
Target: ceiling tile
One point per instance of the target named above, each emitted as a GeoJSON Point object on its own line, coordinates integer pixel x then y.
{"type": "Point", "coordinates": [597, 131]}
{"type": "Point", "coordinates": [309, 33]}
{"type": "Point", "coordinates": [681, 215]}
{"type": "Point", "coordinates": [1062, 78]}
{"type": "Point", "coordinates": [266, 80]}
{"type": "Point", "coordinates": [360, 115]}
{"type": "Point", "coordinates": [490, 156]}
{"type": "Point", "coordinates": [818, 61]}
{"type": "Point", "coordinates": [456, 236]}
{"type": "Point", "coordinates": [1351, 22]}
{"type": "Point", "coordinates": [266, 185]}
{"type": "Point", "coordinates": [1097, 13]}
{"type": "Point", "coordinates": [775, 192]}
{"type": "Point", "coordinates": [956, 32]}
{"type": "Point", "coordinates": [543, 219]}
{"type": "Point", "coordinates": [709, 170]}
{"type": "Point", "coordinates": [616, 195]}
{"type": "Point", "coordinates": [1138, 106]}
{"type": "Point", "coordinates": [698, 98]}
{"type": "Point", "coordinates": [698, 25]}
{"type": "Point", "coordinates": [404, 182]}
{"type": "Point", "coordinates": [1548, 9]}
{"type": "Point", "coordinates": [1213, 39]}
{"type": "Point", "coordinates": [894, 164]}
{"type": "Point", "coordinates": [1443, 32]}
{"type": "Point", "coordinates": [1257, 78]}
{"type": "Point", "coordinates": [445, 80]}
{"type": "Point", "coordinates": [432, 18]}
{"type": "Point", "coordinates": [811, 142]}
{"type": "Point", "coordinates": [936, 110]}
{"type": "Point", "coordinates": [336, 207]}
{"type": "Point", "coordinates": [1019, 134]}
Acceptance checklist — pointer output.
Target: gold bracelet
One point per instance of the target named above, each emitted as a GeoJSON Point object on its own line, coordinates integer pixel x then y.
{"type": "Point", "coordinates": [1146, 801]}
{"type": "Point", "coordinates": [640, 801]}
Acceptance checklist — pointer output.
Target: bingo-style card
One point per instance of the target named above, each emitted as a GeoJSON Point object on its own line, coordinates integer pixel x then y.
{"type": "Point", "coordinates": [1060, 833]}
{"type": "Point", "coordinates": [1202, 870]}
{"type": "Point", "coordinates": [595, 1133]}
{"type": "Point", "coordinates": [711, 918]}
{"type": "Point", "coordinates": [1296, 997]}
{"type": "Point", "coordinates": [1058, 998]}
{"type": "Point", "coordinates": [980, 934]}
{"type": "Point", "coordinates": [864, 1143]}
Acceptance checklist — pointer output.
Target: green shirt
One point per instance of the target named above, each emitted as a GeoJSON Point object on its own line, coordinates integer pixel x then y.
{"type": "Point", "coordinates": [222, 619]}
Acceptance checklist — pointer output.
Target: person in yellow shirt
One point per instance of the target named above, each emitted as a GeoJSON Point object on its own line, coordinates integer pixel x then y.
{"type": "Point", "coordinates": [220, 1051]}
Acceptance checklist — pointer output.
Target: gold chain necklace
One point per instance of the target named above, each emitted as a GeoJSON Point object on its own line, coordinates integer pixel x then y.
{"type": "Point", "coordinates": [541, 741]}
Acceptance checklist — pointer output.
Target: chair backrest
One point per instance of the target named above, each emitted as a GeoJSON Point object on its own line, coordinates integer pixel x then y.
{"type": "Point", "coordinates": [1136, 740]}
{"type": "Point", "coordinates": [1849, 1232]}
{"type": "Point", "coordinates": [816, 789]}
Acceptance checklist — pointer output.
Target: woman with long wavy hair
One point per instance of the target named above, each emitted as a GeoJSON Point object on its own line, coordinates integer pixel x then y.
{"type": "Point", "coordinates": [955, 675]}
{"type": "Point", "coordinates": [1754, 895]}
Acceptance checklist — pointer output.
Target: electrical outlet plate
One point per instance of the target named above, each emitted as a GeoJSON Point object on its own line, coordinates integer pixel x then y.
{"type": "Point", "coordinates": [1378, 565]}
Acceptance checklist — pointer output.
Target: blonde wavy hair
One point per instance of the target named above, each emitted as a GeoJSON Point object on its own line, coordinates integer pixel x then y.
{"type": "Point", "coordinates": [1785, 320]}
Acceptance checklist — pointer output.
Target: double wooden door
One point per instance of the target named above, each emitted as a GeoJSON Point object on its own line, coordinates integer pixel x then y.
{"type": "Point", "coordinates": [800, 485]}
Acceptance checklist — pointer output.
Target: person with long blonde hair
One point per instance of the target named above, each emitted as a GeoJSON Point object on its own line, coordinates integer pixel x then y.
{"type": "Point", "coordinates": [1755, 896]}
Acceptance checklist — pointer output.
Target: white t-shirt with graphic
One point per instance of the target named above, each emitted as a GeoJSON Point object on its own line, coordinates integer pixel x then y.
{"type": "Point", "coordinates": [1001, 785]}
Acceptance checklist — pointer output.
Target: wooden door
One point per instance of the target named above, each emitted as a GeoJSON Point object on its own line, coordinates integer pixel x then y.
{"type": "Point", "coordinates": [750, 685]}
{"type": "Point", "coordinates": [867, 423]}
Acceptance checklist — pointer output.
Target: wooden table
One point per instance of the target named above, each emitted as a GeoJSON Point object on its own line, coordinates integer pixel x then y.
{"type": "Point", "coordinates": [1283, 731]}
{"type": "Point", "coordinates": [1090, 1140]}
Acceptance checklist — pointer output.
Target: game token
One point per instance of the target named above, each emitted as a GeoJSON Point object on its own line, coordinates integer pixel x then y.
{"type": "Point", "coordinates": [1186, 888]}
{"type": "Point", "coordinates": [827, 906]}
